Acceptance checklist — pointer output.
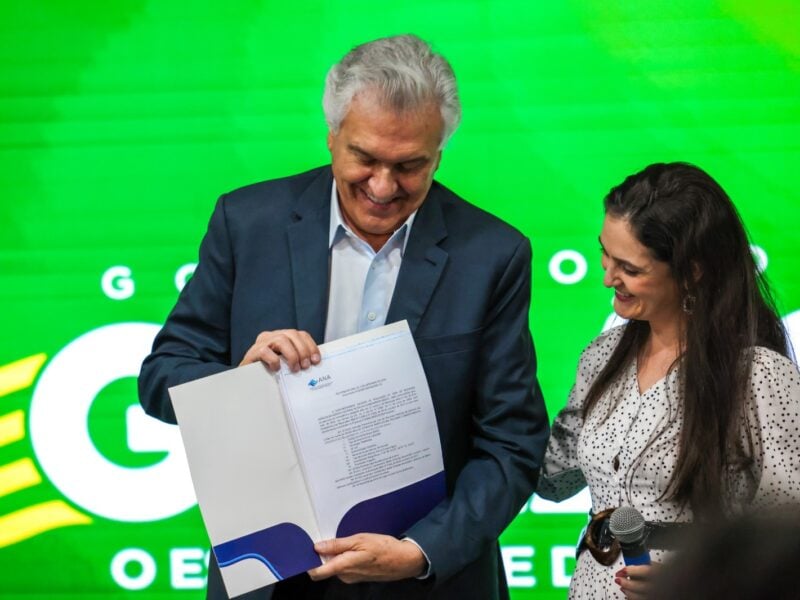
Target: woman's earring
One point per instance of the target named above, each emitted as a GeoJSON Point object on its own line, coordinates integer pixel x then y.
{"type": "Point", "coordinates": [688, 303]}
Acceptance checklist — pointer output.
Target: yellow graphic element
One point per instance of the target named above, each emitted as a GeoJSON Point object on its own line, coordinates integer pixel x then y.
{"type": "Point", "coordinates": [20, 374]}
{"type": "Point", "coordinates": [33, 520]}
{"type": "Point", "coordinates": [30, 521]}
{"type": "Point", "coordinates": [12, 427]}
{"type": "Point", "coordinates": [17, 476]}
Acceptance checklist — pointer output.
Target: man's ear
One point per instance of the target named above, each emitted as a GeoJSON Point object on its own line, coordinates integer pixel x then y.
{"type": "Point", "coordinates": [330, 141]}
{"type": "Point", "coordinates": [437, 161]}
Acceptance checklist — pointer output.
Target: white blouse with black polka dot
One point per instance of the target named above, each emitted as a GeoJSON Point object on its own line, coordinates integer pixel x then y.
{"type": "Point", "coordinates": [626, 449]}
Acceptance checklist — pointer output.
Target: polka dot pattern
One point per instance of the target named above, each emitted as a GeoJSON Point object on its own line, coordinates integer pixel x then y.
{"type": "Point", "coordinates": [626, 450]}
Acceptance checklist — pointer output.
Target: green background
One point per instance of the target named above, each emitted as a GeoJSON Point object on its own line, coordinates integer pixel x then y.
{"type": "Point", "coordinates": [121, 122]}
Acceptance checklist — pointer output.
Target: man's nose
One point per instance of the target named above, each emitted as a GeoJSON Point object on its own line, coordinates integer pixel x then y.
{"type": "Point", "coordinates": [382, 184]}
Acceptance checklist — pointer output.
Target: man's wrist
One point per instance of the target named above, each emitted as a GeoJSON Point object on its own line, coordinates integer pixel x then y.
{"type": "Point", "coordinates": [425, 566]}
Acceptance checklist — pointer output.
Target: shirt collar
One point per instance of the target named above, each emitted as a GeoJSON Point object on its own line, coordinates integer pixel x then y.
{"type": "Point", "coordinates": [338, 227]}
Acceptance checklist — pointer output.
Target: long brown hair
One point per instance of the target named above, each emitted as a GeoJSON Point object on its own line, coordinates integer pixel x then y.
{"type": "Point", "coordinates": [687, 220]}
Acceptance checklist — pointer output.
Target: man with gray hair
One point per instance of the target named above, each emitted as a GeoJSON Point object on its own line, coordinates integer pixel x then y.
{"type": "Point", "coordinates": [373, 239]}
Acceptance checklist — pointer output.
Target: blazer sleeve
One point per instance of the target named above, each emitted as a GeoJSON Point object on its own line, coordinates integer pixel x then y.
{"type": "Point", "coordinates": [195, 340]}
{"type": "Point", "coordinates": [509, 433]}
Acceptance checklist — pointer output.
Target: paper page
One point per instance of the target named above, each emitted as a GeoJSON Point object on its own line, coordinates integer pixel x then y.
{"type": "Point", "coordinates": [366, 430]}
{"type": "Point", "coordinates": [247, 477]}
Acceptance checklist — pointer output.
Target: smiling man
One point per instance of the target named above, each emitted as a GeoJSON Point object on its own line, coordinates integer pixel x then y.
{"type": "Point", "coordinates": [383, 164]}
{"type": "Point", "coordinates": [370, 240]}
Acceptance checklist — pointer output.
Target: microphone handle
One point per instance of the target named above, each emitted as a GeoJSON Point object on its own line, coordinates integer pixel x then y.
{"type": "Point", "coordinates": [635, 553]}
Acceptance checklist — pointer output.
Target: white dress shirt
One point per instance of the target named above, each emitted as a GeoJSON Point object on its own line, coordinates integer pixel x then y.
{"type": "Point", "coordinates": [361, 280]}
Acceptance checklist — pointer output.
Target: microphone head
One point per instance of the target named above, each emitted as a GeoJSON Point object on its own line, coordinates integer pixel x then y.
{"type": "Point", "coordinates": [627, 524]}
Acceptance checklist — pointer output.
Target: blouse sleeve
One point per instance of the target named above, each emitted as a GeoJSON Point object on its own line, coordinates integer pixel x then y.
{"type": "Point", "coordinates": [773, 413]}
{"type": "Point", "coordinates": [561, 475]}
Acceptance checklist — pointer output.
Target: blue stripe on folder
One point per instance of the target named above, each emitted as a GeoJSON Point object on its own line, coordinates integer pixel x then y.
{"type": "Point", "coordinates": [285, 549]}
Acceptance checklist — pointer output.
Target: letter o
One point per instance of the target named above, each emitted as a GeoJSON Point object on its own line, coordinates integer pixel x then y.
{"type": "Point", "coordinates": [573, 256]}
{"type": "Point", "coordinates": [133, 555]}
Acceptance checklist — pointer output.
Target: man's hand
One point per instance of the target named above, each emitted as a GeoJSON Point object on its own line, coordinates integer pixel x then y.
{"type": "Point", "coordinates": [297, 348]}
{"type": "Point", "coordinates": [369, 557]}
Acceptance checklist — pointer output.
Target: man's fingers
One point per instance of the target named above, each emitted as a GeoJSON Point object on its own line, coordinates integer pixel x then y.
{"type": "Point", "coordinates": [285, 345]}
{"type": "Point", "coordinates": [296, 348]}
{"type": "Point", "coordinates": [301, 346]}
{"type": "Point", "coordinates": [320, 573]}
{"type": "Point", "coordinates": [340, 558]}
{"type": "Point", "coordinates": [263, 354]}
{"type": "Point", "coordinates": [335, 546]}
{"type": "Point", "coordinates": [311, 347]}
{"type": "Point", "coordinates": [334, 565]}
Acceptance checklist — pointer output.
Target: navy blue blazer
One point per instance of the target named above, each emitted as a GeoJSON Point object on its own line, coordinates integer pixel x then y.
{"type": "Point", "coordinates": [464, 287]}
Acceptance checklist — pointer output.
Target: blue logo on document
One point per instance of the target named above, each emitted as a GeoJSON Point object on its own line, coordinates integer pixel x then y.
{"type": "Point", "coordinates": [316, 381]}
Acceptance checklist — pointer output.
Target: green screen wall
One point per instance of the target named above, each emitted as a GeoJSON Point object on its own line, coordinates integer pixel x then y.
{"type": "Point", "coordinates": [121, 122]}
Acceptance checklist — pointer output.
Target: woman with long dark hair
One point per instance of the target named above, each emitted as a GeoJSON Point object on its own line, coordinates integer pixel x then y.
{"type": "Point", "coordinates": [691, 409]}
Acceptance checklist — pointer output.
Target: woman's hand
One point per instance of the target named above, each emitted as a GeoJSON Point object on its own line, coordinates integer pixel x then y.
{"type": "Point", "coordinates": [636, 581]}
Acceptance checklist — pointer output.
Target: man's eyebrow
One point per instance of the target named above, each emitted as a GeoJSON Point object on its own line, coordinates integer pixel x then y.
{"type": "Point", "coordinates": [413, 160]}
{"type": "Point", "coordinates": [355, 148]}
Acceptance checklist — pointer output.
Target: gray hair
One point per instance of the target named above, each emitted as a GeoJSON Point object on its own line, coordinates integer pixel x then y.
{"type": "Point", "coordinates": [404, 70]}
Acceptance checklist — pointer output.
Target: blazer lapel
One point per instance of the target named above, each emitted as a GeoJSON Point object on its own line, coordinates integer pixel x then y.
{"type": "Point", "coordinates": [422, 266]}
{"type": "Point", "coordinates": [308, 251]}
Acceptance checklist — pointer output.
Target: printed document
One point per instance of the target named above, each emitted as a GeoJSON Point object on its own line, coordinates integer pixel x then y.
{"type": "Point", "coordinates": [282, 461]}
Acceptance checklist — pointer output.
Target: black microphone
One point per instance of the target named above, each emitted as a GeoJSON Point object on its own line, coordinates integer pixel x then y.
{"type": "Point", "coordinates": [628, 526]}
